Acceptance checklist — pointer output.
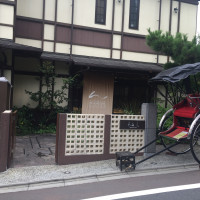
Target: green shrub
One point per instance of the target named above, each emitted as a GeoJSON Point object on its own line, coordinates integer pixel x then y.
{"type": "Point", "coordinates": [42, 119]}
{"type": "Point", "coordinates": [160, 112]}
{"type": "Point", "coordinates": [36, 121]}
{"type": "Point", "coordinates": [131, 108]}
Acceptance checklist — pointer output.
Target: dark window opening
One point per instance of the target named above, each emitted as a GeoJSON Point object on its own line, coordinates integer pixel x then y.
{"type": "Point", "coordinates": [75, 95]}
{"type": "Point", "coordinates": [129, 96]}
{"type": "Point", "coordinates": [134, 14]}
{"type": "Point", "coordinates": [100, 15]}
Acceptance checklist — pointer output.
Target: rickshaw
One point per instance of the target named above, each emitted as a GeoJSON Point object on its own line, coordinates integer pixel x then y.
{"type": "Point", "coordinates": [179, 127]}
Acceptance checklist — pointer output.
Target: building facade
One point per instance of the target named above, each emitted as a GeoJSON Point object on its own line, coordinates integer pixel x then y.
{"type": "Point", "coordinates": [102, 40]}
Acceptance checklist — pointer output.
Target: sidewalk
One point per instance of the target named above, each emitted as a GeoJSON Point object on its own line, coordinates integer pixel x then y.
{"type": "Point", "coordinates": [34, 167]}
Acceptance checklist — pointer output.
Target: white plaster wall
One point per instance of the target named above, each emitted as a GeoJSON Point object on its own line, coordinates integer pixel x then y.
{"type": "Point", "coordinates": [50, 10]}
{"type": "Point", "coordinates": [48, 46]}
{"type": "Point", "coordinates": [141, 57]}
{"type": "Point", "coordinates": [116, 54]}
{"type": "Point", "coordinates": [6, 32]}
{"type": "Point", "coordinates": [30, 8]}
{"type": "Point", "coordinates": [165, 14]}
{"type": "Point", "coordinates": [57, 86]}
{"type": "Point", "coordinates": [118, 16]}
{"type": "Point", "coordinates": [62, 48]}
{"type": "Point", "coordinates": [116, 41]}
{"type": "Point", "coordinates": [148, 17]}
{"type": "Point", "coordinates": [159, 96]}
{"type": "Point", "coordinates": [64, 11]}
{"type": "Point", "coordinates": [22, 83]}
{"type": "Point", "coordinates": [7, 75]}
{"type": "Point", "coordinates": [174, 18]}
{"type": "Point", "coordinates": [188, 20]}
{"type": "Point", "coordinates": [162, 59]}
{"type": "Point", "coordinates": [84, 14]}
{"type": "Point", "coordinates": [49, 32]}
{"type": "Point", "coordinates": [90, 51]}
{"type": "Point", "coordinates": [6, 14]}
{"type": "Point", "coordinates": [29, 42]}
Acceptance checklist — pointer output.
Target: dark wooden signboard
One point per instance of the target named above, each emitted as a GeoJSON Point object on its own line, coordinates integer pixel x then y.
{"type": "Point", "coordinates": [132, 124]}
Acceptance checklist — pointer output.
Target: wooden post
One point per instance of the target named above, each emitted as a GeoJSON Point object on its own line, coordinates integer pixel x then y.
{"type": "Point", "coordinates": [5, 119]}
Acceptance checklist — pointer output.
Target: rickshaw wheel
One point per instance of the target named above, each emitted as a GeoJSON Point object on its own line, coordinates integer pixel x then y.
{"type": "Point", "coordinates": [180, 148]}
{"type": "Point", "coordinates": [195, 142]}
{"type": "Point", "coordinates": [175, 150]}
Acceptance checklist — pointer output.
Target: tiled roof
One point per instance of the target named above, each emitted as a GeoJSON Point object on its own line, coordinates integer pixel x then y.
{"type": "Point", "coordinates": [5, 43]}
{"type": "Point", "coordinates": [116, 64]}
{"type": "Point", "coordinates": [104, 63]}
{"type": "Point", "coordinates": [55, 56]}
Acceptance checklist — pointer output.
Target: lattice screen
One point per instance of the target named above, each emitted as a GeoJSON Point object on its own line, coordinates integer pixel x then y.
{"type": "Point", "coordinates": [84, 134]}
{"type": "Point", "coordinates": [125, 140]}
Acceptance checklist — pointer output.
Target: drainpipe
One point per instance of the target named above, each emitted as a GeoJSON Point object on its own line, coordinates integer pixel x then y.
{"type": "Point", "coordinates": [160, 12]}
{"type": "Point", "coordinates": [43, 16]}
{"type": "Point", "coordinates": [179, 13]}
{"type": "Point", "coordinates": [14, 20]}
{"type": "Point", "coordinates": [170, 22]}
{"type": "Point", "coordinates": [170, 17]}
{"type": "Point", "coordinates": [55, 25]}
{"type": "Point", "coordinates": [72, 29]}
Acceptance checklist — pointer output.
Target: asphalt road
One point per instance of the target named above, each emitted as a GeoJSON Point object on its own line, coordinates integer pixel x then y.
{"type": "Point", "coordinates": [192, 194]}
{"type": "Point", "coordinates": [104, 188]}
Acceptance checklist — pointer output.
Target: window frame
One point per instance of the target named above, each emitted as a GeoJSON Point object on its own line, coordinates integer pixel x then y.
{"type": "Point", "coordinates": [104, 15]}
{"type": "Point", "coordinates": [131, 12]}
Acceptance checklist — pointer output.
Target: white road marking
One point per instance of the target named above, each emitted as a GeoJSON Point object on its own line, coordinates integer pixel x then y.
{"type": "Point", "coordinates": [147, 192]}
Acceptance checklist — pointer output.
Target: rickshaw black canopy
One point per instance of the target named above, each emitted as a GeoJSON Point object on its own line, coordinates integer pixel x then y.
{"type": "Point", "coordinates": [176, 74]}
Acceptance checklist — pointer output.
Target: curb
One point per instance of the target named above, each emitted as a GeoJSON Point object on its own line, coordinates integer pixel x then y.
{"type": "Point", "coordinates": [96, 178]}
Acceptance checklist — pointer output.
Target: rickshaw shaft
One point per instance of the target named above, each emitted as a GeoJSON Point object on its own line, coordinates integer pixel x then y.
{"type": "Point", "coordinates": [156, 152]}
{"type": "Point", "coordinates": [145, 146]}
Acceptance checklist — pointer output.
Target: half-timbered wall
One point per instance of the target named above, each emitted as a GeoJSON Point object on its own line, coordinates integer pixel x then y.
{"type": "Point", "coordinates": [7, 17]}
{"type": "Point", "coordinates": [69, 26]}
{"type": "Point", "coordinates": [27, 78]}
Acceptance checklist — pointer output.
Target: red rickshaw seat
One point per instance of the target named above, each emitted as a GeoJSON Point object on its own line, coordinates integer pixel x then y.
{"type": "Point", "coordinates": [185, 109]}
{"type": "Point", "coordinates": [186, 112]}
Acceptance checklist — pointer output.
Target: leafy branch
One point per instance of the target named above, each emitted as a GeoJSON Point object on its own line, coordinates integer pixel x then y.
{"type": "Point", "coordinates": [178, 47]}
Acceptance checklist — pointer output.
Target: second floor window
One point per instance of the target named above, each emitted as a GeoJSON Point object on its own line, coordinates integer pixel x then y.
{"type": "Point", "coordinates": [134, 14]}
{"type": "Point", "coordinates": [100, 15]}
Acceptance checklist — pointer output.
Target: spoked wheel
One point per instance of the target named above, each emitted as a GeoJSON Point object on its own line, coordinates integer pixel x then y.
{"type": "Point", "coordinates": [195, 142]}
{"type": "Point", "coordinates": [165, 124]}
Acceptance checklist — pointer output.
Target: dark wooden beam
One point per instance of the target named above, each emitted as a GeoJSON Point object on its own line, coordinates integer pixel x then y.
{"type": "Point", "coordinates": [122, 29]}
{"type": "Point", "coordinates": [43, 15]}
{"type": "Point", "coordinates": [72, 28]}
{"type": "Point", "coordinates": [55, 25]}
{"type": "Point", "coordinates": [113, 21]}
{"type": "Point", "coordinates": [11, 3]}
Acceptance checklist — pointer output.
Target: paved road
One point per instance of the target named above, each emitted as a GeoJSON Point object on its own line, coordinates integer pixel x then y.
{"type": "Point", "coordinates": [193, 194]}
{"type": "Point", "coordinates": [84, 191]}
